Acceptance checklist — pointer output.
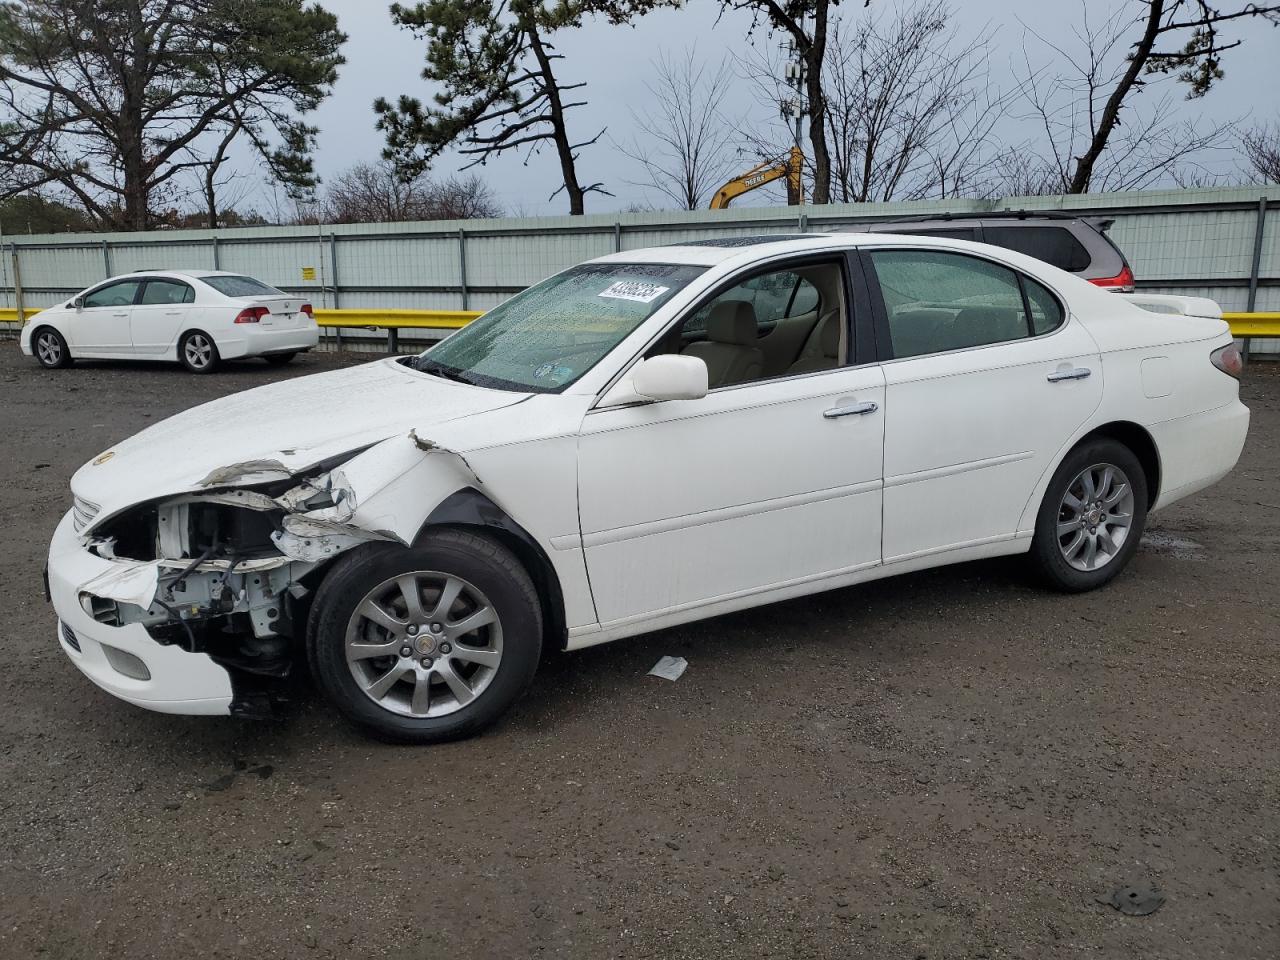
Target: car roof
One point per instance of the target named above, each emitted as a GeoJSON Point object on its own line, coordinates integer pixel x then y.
{"type": "Point", "coordinates": [709, 253]}
{"type": "Point", "coordinates": [190, 274]}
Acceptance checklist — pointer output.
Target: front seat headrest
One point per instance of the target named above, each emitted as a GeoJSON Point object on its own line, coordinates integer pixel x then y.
{"type": "Point", "coordinates": [732, 321]}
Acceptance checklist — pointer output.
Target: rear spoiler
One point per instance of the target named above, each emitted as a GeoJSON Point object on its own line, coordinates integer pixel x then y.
{"type": "Point", "coordinates": [1171, 303]}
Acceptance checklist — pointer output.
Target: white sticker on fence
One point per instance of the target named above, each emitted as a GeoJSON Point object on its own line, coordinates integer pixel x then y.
{"type": "Point", "coordinates": [635, 290]}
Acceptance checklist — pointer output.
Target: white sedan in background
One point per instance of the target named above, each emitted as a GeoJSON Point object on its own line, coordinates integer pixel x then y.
{"type": "Point", "coordinates": [196, 317]}
{"type": "Point", "coordinates": [647, 439]}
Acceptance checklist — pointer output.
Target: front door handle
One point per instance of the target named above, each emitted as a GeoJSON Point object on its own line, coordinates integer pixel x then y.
{"type": "Point", "coordinates": [1077, 373]}
{"type": "Point", "coordinates": [851, 409]}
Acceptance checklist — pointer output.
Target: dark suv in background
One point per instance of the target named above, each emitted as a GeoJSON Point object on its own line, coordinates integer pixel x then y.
{"type": "Point", "coordinates": [1076, 244]}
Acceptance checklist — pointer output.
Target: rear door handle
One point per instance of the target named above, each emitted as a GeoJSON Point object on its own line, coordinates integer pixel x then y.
{"type": "Point", "coordinates": [851, 409]}
{"type": "Point", "coordinates": [1077, 373]}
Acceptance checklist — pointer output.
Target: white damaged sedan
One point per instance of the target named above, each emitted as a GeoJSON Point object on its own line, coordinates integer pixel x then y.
{"type": "Point", "coordinates": [646, 439]}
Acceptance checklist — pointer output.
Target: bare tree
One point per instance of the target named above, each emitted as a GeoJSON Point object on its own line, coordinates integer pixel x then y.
{"type": "Point", "coordinates": [1095, 138]}
{"type": "Point", "coordinates": [1262, 149]}
{"type": "Point", "coordinates": [463, 197]}
{"type": "Point", "coordinates": [116, 102]}
{"type": "Point", "coordinates": [377, 193]}
{"type": "Point", "coordinates": [909, 109]}
{"type": "Point", "coordinates": [499, 84]}
{"type": "Point", "coordinates": [684, 144]}
{"type": "Point", "coordinates": [1076, 109]}
{"type": "Point", "coordinates": [806, 24]}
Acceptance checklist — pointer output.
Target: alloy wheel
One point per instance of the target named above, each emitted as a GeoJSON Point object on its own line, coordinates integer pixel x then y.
{"type": "Point", "coordinates": [424, 644]}
{"type": "Point", "coordinates": [1095, 516]}
{"type": "Point", "coordinates": [49, 348]}
{"type": "Point", "coordinates": [198, 350]}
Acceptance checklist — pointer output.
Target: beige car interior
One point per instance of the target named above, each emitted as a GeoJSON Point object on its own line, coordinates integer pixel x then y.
{"type": "Point", "coordinates": [731, 350]}
{"type": "Point", "coordinates": [742, 345]}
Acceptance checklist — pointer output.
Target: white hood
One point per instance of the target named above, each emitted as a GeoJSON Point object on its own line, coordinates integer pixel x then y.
{"type": "Point", "coordinates": [287, 426]}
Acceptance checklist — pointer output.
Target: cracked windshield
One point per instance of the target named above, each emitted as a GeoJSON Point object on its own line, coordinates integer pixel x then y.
{"type": "Point", "coordinates": [551, 334]}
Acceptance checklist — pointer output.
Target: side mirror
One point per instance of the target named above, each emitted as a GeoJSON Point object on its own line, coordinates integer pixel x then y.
{"type": "Point", "coordinates": [667, 376]}
{"type": "Point", "coordinates": [78, 303]}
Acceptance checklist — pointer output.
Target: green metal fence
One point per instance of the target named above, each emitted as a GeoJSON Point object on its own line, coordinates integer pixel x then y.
{"type": "Point", "coordinates": [1218, 243]}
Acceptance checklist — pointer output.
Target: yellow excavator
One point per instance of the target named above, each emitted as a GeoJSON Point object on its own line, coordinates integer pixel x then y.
{"type": "Point", "coordinates": [758, 176]}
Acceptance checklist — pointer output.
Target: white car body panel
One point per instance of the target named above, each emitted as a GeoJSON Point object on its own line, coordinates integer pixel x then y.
{"type": "Point", "coordinates": [968, 433]}
{"type": "Point", "coordinates": [151, 331]}
{"type": "Point", "coordinates": [655, 514]}
{"type": "Point", "coordinates": [778, 473]}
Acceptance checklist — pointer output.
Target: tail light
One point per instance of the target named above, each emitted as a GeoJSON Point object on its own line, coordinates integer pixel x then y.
{"type": "Point", "coordinates": [306, 308]}
{"type": "Point", "coordinates": [251, 314]}
{"type": "Point", "coordinates": [1122, 281]}
{"type": "Point", "coordinates": [1229, 360]}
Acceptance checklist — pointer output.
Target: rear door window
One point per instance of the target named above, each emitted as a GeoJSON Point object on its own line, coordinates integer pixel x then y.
{"type": "Point", "coordinates": [937, 301]}
{"type": "Point", "coordinates": [166, 291]}
{"type": "Point", "coordinates": [1055, 245]}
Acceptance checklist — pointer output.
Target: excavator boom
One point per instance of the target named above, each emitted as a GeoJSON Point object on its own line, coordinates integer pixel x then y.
{"type": "Point", "coordinates": [759, 175]}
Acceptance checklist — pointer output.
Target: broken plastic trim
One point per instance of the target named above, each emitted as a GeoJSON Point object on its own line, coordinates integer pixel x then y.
{"type": "Point", "coordinates": [197, 572]}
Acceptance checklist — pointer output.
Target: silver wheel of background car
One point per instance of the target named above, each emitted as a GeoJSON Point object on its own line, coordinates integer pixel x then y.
{"type": "Point", "coordinates": [1095, 516]}
{"type": "Point", "coordinates": [49, 348]}
{"type": "Point", "coordinates": [424, 644]}
{"type": "Point", "coordinates": [198, 351]}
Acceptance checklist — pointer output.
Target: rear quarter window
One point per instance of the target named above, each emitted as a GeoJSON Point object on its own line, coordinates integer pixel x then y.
{"type": "Point", "coordinates": [1046, 311]}
{"type": "Point", "coordinates": [1054, 245]}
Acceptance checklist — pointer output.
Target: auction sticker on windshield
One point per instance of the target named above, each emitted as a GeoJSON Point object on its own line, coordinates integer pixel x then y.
{"type": "Point", "coordinates": [635, 290]}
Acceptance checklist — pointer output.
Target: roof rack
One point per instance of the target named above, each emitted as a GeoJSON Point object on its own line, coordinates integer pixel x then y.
{"type": "Point", "coordinates": [1102, 223]}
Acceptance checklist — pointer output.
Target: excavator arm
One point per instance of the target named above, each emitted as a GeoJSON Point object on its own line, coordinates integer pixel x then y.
{"type": "Point", "coordinates": [759, 175]}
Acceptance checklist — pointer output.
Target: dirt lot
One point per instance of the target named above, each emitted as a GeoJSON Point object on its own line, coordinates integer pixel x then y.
{"type": "Point", "coordinates": [950, 764]}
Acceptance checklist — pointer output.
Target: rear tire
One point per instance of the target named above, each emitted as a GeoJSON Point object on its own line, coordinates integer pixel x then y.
{"type": "Point", "coordinates": [50, 349]}
{"type": "Point", "coordinates": [278, 359]}
{"type": "Point", "coordinates": [197, 352]}
{"type": "Point", "coordinates": [1092, 517]}
{"type": "Point", "coordinates": [390, 641]}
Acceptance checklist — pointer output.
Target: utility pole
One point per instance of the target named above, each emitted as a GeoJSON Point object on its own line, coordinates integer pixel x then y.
{"type": "Point", "coordinates": [793, 109]}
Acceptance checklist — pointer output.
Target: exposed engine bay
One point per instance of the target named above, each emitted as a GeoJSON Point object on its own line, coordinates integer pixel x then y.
{"type": "Point", "coordinates": [227, 572]}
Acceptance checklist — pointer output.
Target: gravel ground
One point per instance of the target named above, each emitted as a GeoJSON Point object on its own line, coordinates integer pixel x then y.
{"type": "Point", "coordinates": [948, 764]}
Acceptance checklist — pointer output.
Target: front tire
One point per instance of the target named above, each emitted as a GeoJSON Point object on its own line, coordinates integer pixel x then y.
{"type": "Point", "coordinates": [425, 644]}
{"type": "Point", "coordinates": [197, 352]}
{"type": "Point", "coordinates": [50, 349]}
{"type": "Point", "coordinates": [1092, 517]}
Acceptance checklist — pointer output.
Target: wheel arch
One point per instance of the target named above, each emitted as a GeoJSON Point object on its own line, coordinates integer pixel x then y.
{"type": "Point", "coordinates": [37, 325]}
{"type": "Point", "coordinates": [469, 508]}
{"type": "Point", "coordinates": [1138, 440]}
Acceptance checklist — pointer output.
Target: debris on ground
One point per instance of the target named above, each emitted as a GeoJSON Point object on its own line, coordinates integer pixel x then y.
{"type": "Point", "coordinates": [1135, 901]}
{"type": "Point", "coordinates": [669, 668]}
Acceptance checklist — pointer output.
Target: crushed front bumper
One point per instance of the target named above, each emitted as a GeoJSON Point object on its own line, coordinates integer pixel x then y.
{"type": "Point", "coordinates": [177, 681]}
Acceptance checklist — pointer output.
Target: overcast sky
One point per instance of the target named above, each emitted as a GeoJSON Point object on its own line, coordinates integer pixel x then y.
{"type": "Point", "coordinates": [615, 63]}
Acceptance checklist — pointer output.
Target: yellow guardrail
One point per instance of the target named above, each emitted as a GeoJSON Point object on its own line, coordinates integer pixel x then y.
{"type": "Point", "coordinates": [390, 319]}
{"type": "Point", "coordinates": [1253, 324]}
{"type": "Point", "coordinates": [1256, 325]}
{"type": "Point", "coordinates": [396, 319]}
